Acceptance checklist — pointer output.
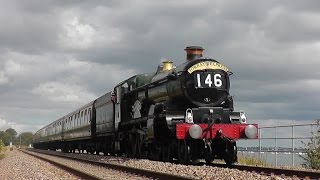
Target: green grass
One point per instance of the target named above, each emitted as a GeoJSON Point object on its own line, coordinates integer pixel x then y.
{"type": "Point", "coordinates": [252, 161]}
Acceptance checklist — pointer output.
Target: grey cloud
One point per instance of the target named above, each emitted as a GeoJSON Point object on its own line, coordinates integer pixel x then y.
{"type": "Point", "coordinates": [307, 6]}
{"type": "Point", "coordinates": [25, 32]}
{"type": "Point", "coordinates": [286, 27]}
{"type": "Point", "coordinates": [272, 47]}
{"type": "Point", "coordinates": [246, 11]}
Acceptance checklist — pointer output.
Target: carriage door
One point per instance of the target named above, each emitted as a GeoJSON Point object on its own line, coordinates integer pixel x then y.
{"type": "Point", "coordinates": [117, 108]}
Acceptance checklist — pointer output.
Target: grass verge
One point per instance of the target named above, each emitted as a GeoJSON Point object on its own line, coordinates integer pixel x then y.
{"type": "Point", "coordinates": [252, 161]}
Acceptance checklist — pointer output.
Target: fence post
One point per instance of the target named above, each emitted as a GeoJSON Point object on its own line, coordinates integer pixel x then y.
{"type": "Point", "coordinates": [292, 135]}
{"type": "Point", "coordinates": [259, 142]}
{"type": "Point", "coordinates": [275, 146]}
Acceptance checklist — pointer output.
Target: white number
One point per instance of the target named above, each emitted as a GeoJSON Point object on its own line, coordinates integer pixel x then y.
{"type": "Point", "coordinates": [208, 80]}
{"type": "Point", "coordinates": [217, 80]}
{"type": "Point", "coordinates": [198, 80]}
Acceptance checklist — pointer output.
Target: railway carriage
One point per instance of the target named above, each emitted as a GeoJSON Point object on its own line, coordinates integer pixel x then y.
{"type": "Point", "coordinates": [67, 133]}
{"type": "Point", "coordinates": [184, 113]}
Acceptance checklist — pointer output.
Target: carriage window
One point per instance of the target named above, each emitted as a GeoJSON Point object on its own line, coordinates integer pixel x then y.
{"type": "Point", "coordinates": [89, 114]}
{"type": "Point", "coordinates": [124, 88]}
{"type": "Point", "coordinates": [81, 113]}
{"type": "Point", "coordinates": [76, 121]}
{"type": "Point", "coordinates": [85, 112]}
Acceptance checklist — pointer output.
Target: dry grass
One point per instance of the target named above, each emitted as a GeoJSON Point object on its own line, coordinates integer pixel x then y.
{"type": "Point", "coordinates": [252, 161]}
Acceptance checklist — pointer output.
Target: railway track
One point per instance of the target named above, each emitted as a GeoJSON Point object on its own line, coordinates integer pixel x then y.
{"type": "Point", "coordinates": [130, 170]}
{"type": "Point", "coordinates": [76, 172]}
{"type": "Point", "coordinates": [284, 173]}
{"type": "Point", "coordinates": [275, 171]}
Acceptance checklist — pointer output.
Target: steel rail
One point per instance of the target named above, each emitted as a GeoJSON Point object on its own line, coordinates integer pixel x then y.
{"type": "Point", "coordinates": [302, 174]}
{"type": "Point", "coordinates": [131, 170]}
{"type": "Point", "coordinates": [76, 172]}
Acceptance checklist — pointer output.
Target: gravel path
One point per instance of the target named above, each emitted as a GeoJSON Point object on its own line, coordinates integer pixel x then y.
{"type": "Point", "coordinates": [17, 165]}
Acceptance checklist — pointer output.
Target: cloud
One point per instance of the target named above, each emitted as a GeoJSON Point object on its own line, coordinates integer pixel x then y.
{"type": "Point", "coordinates": [3, 124]}
{"type": "Point", "coordinates": [24, 127]}
{"type": "Point", "coordinates": [59, 92]}
{"type": "Point", "coordinates": [56, 56]}
{"type": "Point", "coordinates": [84, 35]}
{"type": "Point", "coordinates": [78, 35]}
{"type": "Point", "coordinates": [281, 17]}
{"type": "Point", "coordinates": [10, 68]}
{"type": "Point", "coordinates": [13, 68]}
{"type": "Point", "coordinates": [40, 88]}
{"type": "Point", "coordinates": [3, 78]}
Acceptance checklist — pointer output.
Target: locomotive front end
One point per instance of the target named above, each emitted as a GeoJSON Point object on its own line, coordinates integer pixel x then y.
{"type": "Point", "coordinates": [206, 85]}
{"type": "Point", "coordinates": [211, 126]}
{"type": "Point", "coordinates": [206, 82]}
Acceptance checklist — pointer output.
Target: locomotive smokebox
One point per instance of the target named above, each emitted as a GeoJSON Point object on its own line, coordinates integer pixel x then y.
{"type": "Point", "coordinates": [193, 52]}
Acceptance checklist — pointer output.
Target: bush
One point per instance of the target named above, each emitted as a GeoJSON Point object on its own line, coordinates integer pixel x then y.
{"type": "Point", "coordinates": [313, 152]}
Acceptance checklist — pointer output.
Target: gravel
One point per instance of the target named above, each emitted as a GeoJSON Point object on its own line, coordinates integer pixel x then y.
{"type": "Point", "coordinates": [98, 171]}
{"type": "Point", "coordinates": [17, 165]}
{"type": "Point", "coordinates": [190, 171]}
{"type": "Point", "coordinates": [194, 172]}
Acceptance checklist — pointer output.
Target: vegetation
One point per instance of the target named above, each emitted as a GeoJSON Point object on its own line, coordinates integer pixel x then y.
{"type": "Point", "coordinates": [252, 161]}
{"type": "Point", "coordinates": [26, 139]}
{"type": "Point", "coordinates": [313, 151]}
{"type": "Point", "coordinates": [2, 148]}
{"type": "Point", "coordinates": [10, 135]}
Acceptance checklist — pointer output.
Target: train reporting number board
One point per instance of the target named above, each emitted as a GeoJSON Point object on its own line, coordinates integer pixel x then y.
{"type": "Point", "coordinates": [208, 80]}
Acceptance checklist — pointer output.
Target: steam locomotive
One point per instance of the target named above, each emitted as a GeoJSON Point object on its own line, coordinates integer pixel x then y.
{"type": "Point", "coordinates": [184, 113]}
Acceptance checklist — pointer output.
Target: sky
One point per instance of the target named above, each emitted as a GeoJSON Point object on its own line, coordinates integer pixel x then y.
{"type": "Point", "coordinates": [56, 56]}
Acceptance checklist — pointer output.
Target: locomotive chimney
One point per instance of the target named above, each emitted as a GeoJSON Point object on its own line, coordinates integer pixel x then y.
{"type": "Point", "coordinates": [193, 52]}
